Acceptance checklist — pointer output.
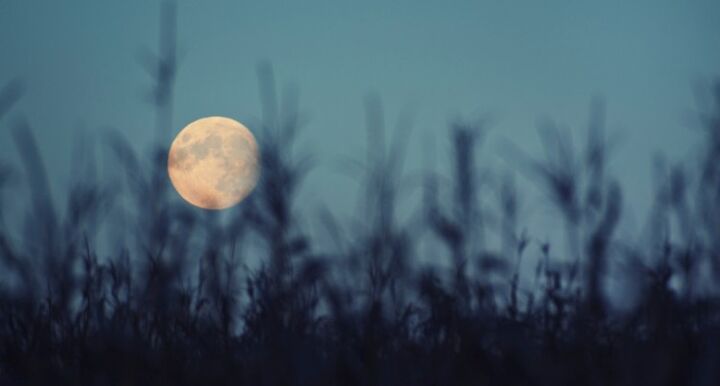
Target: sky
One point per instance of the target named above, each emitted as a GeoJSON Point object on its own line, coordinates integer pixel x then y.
{"type": "Point", "coordinates": [516, 61]}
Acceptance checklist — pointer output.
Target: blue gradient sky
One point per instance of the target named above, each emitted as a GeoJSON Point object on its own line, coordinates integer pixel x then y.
{"type": "Point", "coordinates": [518, 61]}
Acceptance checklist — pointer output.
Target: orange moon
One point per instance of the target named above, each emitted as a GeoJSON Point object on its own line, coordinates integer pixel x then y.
{"type": "Point", "coordinates": [213, 162]}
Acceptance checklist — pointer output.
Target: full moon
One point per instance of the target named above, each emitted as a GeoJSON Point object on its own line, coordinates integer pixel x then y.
{"type": "Point", "coordinates": [213, 162]}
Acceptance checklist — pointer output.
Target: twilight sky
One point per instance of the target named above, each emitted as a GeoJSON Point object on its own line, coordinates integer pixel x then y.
{"type": "Point", "coordinates": [518, 61]}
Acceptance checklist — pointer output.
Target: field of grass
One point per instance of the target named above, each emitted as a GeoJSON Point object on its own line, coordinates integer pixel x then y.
{"type": "Point", "coordinates": [176, 302]}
